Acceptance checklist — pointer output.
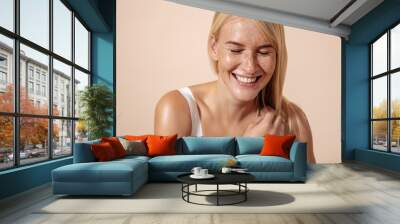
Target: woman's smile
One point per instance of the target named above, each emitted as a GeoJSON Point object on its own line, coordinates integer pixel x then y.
{"type": "Point", "coordinates": [246, 80]}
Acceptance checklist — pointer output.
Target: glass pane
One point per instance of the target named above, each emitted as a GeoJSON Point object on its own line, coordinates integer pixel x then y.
{"type": "Point", "coordinates": [395, 47]}
{"type": "Point", "coordinates": [81, 45]}
{"type": "Point", "coordinates": [395, 94]}
{"type": "Point", "coordinates": [81, 131]}
{"type": "Point", "coordinates": [395, 136]}
{"type": "Point", "coordinates": [379, 55]}
{"type": "Point", "coordinates": [81, 81]}
{"type": "Point", "coordinates": [35, 21]}
{"type": "Point", "coordinates": [379, 97]}
{"type": "Point", "coordinates": [379, 135]}
{"type": "Point", "coordinates": [33, 139]}
{"type": "Point", "coordinates": [7, 14]}
{"type": "Point", "coordinates": [6, 74]}
{"type": "Point", "coordinates": [34, 97]}
{"type": "Point", "coordinates": [62, 29]}
{"type": "Point", "coordinates": [6, 142]}
{"type": "Point", "coordinates": [62, 89]}
{"type": "Point", "coordinates": [62, 138]}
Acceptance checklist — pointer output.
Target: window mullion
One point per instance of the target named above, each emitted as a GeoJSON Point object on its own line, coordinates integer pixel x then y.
{"type": "Point", "coordinates": [389, 101]}
{"type": "Point", "coordinates": [16, 84]}
{"type": "Point", "coordinates": [73, 82]}
{"type": "Point", "coordinates": [371, 89]}
{"type": "Point", "coordinates": [50, 81]}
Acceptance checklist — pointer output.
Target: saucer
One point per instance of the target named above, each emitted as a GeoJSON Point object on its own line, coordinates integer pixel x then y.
{"type": "Point", "coordinates": [240, 171]}
{"type": "Point", "coordinates": [208, 176]}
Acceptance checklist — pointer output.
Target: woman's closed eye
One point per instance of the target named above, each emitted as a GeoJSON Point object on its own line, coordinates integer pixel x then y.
{"type": "Point", "coordinates": [236, 51]}
{"type": "Point", "coordinates": [264, 52]}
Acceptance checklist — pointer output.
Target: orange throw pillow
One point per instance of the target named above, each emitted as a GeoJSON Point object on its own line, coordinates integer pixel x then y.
{"type": "Point", "coordinates": [136, 137]}
{"type": "Point", "coordinates": [161, 145]}
{"type": "Point", "coordinates": [103, 152]}
{"type": "Point", "coordinates": [275, 145]}
{"type": "Point", "coordinates": [116, 145]}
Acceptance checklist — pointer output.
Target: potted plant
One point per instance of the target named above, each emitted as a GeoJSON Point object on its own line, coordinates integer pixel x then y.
{"type": "Point", "coordinates": [96, 102]}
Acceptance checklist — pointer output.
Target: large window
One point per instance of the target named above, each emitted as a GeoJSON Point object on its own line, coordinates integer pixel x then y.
{"type": "Point", "coordinates": [385, 91]}
{"type": "Point", "coordinates": [44, 64]}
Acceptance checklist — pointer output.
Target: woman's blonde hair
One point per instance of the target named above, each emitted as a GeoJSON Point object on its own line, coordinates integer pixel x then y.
{"type": "Point", "coordinates": [271, 94]}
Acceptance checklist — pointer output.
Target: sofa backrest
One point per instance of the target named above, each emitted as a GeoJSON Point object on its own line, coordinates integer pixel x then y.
{"type": "Point", "coordinates": [249, 145]}
{"type": "Point", "coordinates": [83, 152]}
{"type": "Point", "coordinates": [191, 146]}
{"type": "Point", "coordinates": [206, 145]}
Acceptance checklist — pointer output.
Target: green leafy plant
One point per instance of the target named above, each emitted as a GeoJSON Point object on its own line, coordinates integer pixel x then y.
{"type": "Point", "coordinates": [96, 102]}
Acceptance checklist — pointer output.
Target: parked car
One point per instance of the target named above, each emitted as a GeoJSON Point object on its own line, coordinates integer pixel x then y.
{"type": "Point", "coordinates": [10, 156]}
{"type": "Point", "coordinates": [22, 155]}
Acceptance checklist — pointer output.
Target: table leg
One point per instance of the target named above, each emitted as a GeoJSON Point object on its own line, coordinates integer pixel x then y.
{"type": "Point", "coordinates": [217, 194]}
{"type": "Point", "coordinates": [196, 188]}
{"type": "Point", "coordinates": [245, 193]}
{"type": "Point", "coordinates": [182, 188]}
{"type": "Point", "coordinates": [188, 190]}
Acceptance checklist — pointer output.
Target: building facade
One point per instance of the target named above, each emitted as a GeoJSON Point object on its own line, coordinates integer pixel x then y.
{"type": "Point", "coordinates": [34, 81]}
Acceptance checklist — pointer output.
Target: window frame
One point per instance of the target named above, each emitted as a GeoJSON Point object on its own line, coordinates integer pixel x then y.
{"type": "Point", "coordinates": [388, 74]}
{"type": "Point", "coordinates": [16, 115]}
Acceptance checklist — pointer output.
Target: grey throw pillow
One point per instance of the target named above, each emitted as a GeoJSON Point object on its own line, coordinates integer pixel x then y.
{"type": "Point", "coordinates": [134, 147]}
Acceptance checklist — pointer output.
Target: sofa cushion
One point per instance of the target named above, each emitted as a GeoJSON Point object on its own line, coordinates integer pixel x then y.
{"type": "Point", "coordinates": [134, 147]}
{"type": "Point", "coordinates": [111, 171]}
{"type": "Point", "coordinates": [185, 163]}
{"type": "Point", "coordinates": [257, 163]}
{"type": "Point", "coordinates": [136, 137]}
{"type": "Point", "coordinates": [276, 145]}
{"type": "Point", "coordinates": [116, 145]}
{"type": "Point", "coordinates": [206, 145]}
{"type": "Point", "coordinates": [83, 152]}
{"type": "Point", "coordinates": [103, 152]}
{"type": "Point", "coordinates": [159, 145]}
{"type": "Point", "coordinates": [131, 158]}
{"type": "Point", "coordinates": [249, 145]}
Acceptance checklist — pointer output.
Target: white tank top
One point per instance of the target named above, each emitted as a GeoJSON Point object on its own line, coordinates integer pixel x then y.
{"type": "Point", "coordinates": [194, 112]}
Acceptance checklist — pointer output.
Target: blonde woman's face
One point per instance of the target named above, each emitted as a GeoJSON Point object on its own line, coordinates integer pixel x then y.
{"type": "Point", "coordinates": [246, 59]}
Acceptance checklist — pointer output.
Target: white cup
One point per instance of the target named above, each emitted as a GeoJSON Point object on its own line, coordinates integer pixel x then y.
{"type": "Point", "coordinates": [196, 170]}
{"type": "Point", "coordinates": [203, 172]}
{"type": "Point", "coordinates": [226, 170]}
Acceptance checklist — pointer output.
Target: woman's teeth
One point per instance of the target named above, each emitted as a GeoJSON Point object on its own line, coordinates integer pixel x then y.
{"type": "Point", "coordinates": [245, 79]}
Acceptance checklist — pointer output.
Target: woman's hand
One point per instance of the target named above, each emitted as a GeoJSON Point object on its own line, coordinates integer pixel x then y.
{"type": "Point", "coordinates": [268, 122]}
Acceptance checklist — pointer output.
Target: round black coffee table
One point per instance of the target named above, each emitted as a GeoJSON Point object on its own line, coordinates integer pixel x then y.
{"type": "Point", "coordinates": [238, 179]}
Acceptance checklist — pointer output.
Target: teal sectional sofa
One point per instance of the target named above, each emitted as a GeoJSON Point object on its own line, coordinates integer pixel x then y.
{"type": "Point", "coordinates": [125, 176]}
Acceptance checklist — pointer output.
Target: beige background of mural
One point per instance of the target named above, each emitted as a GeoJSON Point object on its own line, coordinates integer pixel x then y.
{"type": "Point", "coordinates": [161, 46]}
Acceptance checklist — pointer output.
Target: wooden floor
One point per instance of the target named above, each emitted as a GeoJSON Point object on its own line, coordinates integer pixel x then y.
{"type": "Point", "coordinates": [353, 182]}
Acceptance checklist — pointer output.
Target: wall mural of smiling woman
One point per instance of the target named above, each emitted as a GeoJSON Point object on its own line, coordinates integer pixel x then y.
{"type": "Point", "coordinates": [196, 72]}
{"type": "Point", "coordinates": [249, 58]}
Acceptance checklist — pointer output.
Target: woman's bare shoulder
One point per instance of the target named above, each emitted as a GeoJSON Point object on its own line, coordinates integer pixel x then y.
{"type": "Point", "coordinates": [201, 90]}
{"type": "Point", "coordinates": [172, 100]}
{"type": "Point", "coordinates": [172, 115]}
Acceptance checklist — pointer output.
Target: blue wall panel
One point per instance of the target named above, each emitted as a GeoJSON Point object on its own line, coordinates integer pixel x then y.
{"type": "Point", "coordinates": [103, 63]}
{"type": "Point", "coordinates": [102, 59]}
{"type": "Point", "coordinates": [24, 178]}
{"type": "Point", "coordinates": [355, 108]}
{"type": "Point", "coordinates": [377, 158]}
{"type": "Point", "coordinates": [357, 99]}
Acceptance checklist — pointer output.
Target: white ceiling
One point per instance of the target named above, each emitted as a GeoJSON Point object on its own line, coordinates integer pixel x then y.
{"type": "Point", "coordinates": [326, 16]}
{"type": "Point", "coordinates": [320, 9]}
